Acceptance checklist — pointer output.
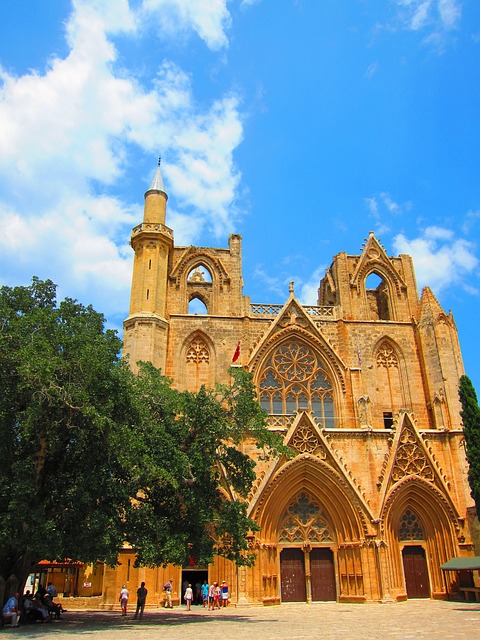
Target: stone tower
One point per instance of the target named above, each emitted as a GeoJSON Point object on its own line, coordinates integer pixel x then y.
{"type": "Point", "coordinates": [146, 328]}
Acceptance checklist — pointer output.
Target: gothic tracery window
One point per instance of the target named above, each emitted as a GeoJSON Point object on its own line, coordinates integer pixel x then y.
{"type": "Point", "coordinates": [304, 521]}
{"type": "Point", "coordinates": [386, 357]}
{"type": "Point", "coordinates": [197, 352]}
{"type": "Point", "coordinates": [294, 379]}
{"type": "Point", "coordinates": [410, 527]}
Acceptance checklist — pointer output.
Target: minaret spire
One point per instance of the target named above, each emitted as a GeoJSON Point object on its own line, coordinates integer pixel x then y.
{"type": "Point", "coordinates": [156, 199]}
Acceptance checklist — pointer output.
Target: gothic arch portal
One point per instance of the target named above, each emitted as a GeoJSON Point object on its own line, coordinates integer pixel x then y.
{"type": "Point", "coordinates": [309, 516]}
{"type": "Point", "coordinates": [439, 527]}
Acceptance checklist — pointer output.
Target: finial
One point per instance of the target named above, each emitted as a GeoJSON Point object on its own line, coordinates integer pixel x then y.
{"type": "Point", "coordinates": [290, 287]}
{"type": "Point", "coordinates": [159, 160]}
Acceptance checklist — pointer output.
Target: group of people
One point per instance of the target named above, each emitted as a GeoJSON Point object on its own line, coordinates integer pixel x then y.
{"type": "Point", "coordinates": [32, 608]}
{"type": "Point", "coordinates": [214, 596]}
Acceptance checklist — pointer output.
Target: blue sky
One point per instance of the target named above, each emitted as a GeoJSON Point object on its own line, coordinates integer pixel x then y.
{"type": "Point", "coordinates": [300, 124]}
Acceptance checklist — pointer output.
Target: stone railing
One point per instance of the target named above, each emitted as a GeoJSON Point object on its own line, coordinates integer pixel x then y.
{"type": "Point", "coordinates": [152, 226]}
{"type": "Point", "coordinates": [279, 422]}
{"type": "Point", "coordinates": [270, 310]}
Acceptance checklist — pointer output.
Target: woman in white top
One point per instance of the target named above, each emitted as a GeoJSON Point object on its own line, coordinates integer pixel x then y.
{"type": "Point", "coordinates": [124, 599]}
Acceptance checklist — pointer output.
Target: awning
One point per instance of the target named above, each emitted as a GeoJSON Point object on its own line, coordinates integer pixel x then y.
{"type": "Point", "coordinates": [457, 564]}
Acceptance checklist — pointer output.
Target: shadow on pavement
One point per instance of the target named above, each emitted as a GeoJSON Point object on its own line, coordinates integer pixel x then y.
{"type": "Point", "coordinates": [78, 622]}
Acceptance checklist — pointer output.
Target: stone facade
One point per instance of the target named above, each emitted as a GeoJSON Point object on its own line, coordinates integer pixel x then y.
{"type": "Point", "coordinates": [363, 386]}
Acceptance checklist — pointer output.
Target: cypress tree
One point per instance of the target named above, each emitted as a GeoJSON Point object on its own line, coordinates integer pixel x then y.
{"type": "Point", "coordinates": [471, 427]}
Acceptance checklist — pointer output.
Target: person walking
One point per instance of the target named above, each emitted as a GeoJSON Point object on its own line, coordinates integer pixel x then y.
{"type": "Point", "coordinates": [141, 599]}
{"type": "Point", "coordinates": [168, 588]}
{"type": "Point", "coordinates": [188, 597]}
{"type": "Point", "coordinates": [205, 594]}
{"type": "Point", "coordinates": [124, 599]}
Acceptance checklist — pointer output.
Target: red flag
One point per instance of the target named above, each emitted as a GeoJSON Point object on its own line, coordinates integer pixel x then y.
{"type": "Point", "coordinates": [236, 355]}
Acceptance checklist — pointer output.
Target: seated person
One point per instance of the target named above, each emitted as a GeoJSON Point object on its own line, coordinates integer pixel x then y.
{"type": "Point", "coordinates": [11, 611]}
{"type": "Point", "coordinates": [40, 606]}
{"type": "Point", "coordinates": [29, 612]}
{"type": "Point", "coordinates": [53, 608]}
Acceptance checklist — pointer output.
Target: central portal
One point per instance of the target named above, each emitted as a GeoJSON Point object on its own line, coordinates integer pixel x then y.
{"type": "Point", "coordinates": [296, 580]}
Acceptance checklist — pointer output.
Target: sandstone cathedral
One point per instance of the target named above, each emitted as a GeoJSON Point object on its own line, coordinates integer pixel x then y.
{"type": "Point", "coordinates": [363, 387]}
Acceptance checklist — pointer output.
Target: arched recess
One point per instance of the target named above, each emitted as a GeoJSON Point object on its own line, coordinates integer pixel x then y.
{"type": "Point", "coordinates": [314, 476]}
{"type": "Point", "coordinates": [378, 296]}
{"type": "Point", "coordinates": [391, 375]}
{"type": "Point", "coordinates": [334, 521]}
{"type": "Point", "coordinates": [439, 526]}
{"type": "Point", "coordinates": [388, 292]}
{"type": "Point", "coordinates": [197, 358]}
{"type": "Point", "coordinates": [295, 371]}
{"type": "Point", "coordinates": [199, 274]}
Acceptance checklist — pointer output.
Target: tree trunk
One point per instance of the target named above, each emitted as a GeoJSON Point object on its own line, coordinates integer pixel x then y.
{"type": "Point", "coordinates": [14, 574]}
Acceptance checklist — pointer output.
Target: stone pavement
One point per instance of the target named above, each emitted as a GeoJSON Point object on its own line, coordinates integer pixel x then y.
{"type": "Point", "coordinates": [412, 620]}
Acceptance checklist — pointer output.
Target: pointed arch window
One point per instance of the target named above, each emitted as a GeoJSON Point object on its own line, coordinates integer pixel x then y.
{"type": "Point", "coordinates": [410, 527]}
{"type": "Point", "coordinates": [294, 379]}
{"type": "Point", "coordinates": [199, 274]}
{"type": "Point", "coordinates": [304, 521]}
{"type": "Point", "coordinates": [378, 297]}
{"type": "Point", "coordinates": [196, 306]}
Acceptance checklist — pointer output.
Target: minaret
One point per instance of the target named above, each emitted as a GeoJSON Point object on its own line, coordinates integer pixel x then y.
{"type": "Point", "coordinates": [146, 328]}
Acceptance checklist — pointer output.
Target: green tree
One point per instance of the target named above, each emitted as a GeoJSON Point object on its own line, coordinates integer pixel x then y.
{"type": "Point", "coordinates": [65, 410]}
{"type": "Point", "coordinates": [471, 428]}
{"type": "Point", "coordinates": [92, 455]}
{"type": "Point", "coordinates": [195, 476]}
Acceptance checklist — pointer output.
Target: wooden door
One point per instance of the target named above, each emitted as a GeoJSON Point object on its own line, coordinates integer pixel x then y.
{"type": "Point", "coordinates": [323, 575]}
{"type": "Point", "coordinates": [415, 568]}
{"type": "Point", "coordinates": [292, 575]}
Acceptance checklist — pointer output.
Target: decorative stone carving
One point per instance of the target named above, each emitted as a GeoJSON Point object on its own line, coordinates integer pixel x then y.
{"type": "Point", "coordinates": [410, 459]}
{"type": "Point", "coordinates": [304, 521]}
{"type": "Point", "coordinates": [305, 440]}
{"type": "Point", "coordinates": [198, 351]}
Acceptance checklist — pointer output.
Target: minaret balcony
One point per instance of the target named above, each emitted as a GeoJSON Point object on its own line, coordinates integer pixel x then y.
{"type": "Point", "coordinates": [152, 227]}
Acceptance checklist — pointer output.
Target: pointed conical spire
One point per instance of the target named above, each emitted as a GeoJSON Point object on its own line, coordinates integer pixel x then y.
{"type": "Point", "coordinates": [157, 182]}
{"type": "Point", "coordinates": [155, 199]}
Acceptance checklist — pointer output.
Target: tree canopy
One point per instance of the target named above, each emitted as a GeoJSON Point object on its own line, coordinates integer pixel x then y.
{"type": "Point", "coordinates": [93, 455]}
{"type": "Point", "coordinates": [470, 414]}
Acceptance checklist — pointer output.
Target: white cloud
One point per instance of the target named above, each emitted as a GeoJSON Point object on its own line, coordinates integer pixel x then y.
{"type": "Point", "coordinates": [210, 20]}
{"type": "Point", "coordinates": [64, 146]}
{"type": "Point", "coordinates": [382, 207]}
{"type": "Point", "coordinates": [433, 18]}
{"type": "Point", "coordinates": [371, 70]}
{"type": "Point", "coordinates": [308, 293]}
{"type": "Point", "coordinates": [440, 258]}
{"type": "Point", "coordinates": [418, 14]}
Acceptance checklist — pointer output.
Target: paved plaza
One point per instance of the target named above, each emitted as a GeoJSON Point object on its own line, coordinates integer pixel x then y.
{"type": "Point", "coordinates": [412, 620]}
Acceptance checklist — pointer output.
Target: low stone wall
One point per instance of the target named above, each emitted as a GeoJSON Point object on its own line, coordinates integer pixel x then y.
{"type": "Point", "coordinates": [80, 602]}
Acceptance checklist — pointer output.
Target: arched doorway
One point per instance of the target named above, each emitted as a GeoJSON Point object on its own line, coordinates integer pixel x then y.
{"type": "Point", "coordinates": [417, 582]}
{"type": "Point", "coordinates": [307, 573]}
